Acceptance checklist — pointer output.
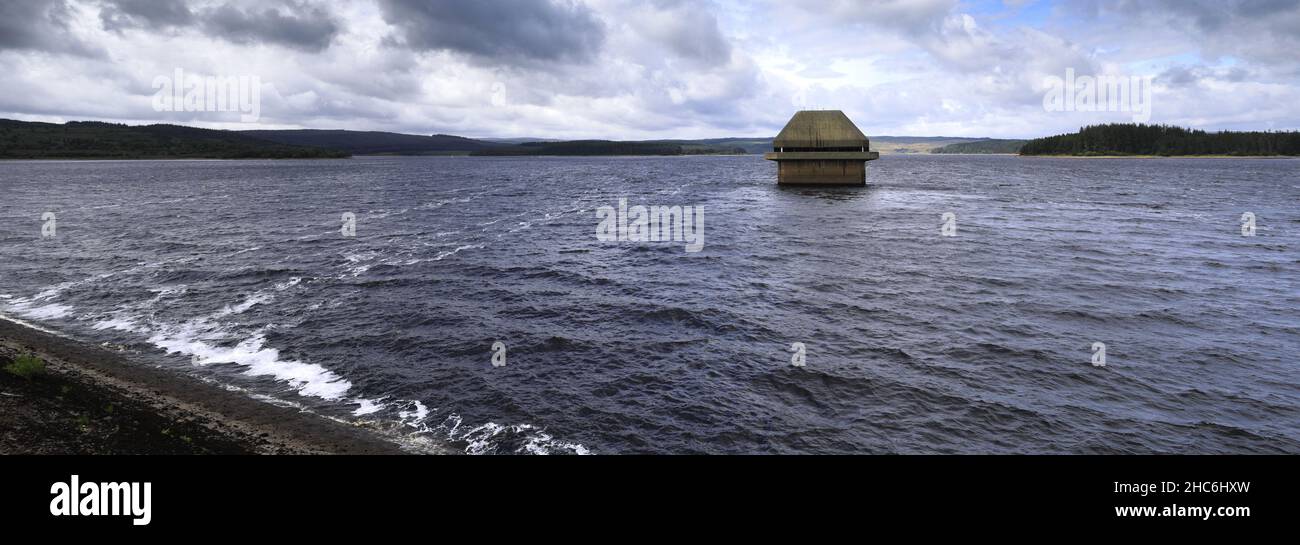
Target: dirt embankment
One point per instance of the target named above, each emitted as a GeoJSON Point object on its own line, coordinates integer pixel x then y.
{"type": "Point", "coordinates": [91, 401]}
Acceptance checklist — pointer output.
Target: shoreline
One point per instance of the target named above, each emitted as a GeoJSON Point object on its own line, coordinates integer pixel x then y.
{"type": "Point", "coordinates": [1163, 156]}
{"type": "Point", "coordinates": [92, 401]}
{"type": "Point", "coordinates": [142, 159]}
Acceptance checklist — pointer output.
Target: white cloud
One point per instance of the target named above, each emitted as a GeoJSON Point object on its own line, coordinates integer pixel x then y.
{"type": "Point", "coordinates": [654, 68]}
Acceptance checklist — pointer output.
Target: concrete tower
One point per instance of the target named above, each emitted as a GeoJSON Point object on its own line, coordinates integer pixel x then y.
{"type": "Point", "coordinates": [821, 148]}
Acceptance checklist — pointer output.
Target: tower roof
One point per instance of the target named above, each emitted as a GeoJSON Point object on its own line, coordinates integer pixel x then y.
{"type": "Point", "coordinates": [820, 129]}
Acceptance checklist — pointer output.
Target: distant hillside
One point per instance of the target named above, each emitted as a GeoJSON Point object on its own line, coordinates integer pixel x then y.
{"type": "Point", "coordinates": [20, 139]}
{"type": "Point", "coordinates": [984, 145]}
{"type": "Point", "coordinates": [886, 145]}
{"type": "Point", "coordinates": [1164, 140]}
{"type": "Point", "coordinates": [383, 143]}
{"type": "Point", "coordinates": [889, 145]}
{"type": "Point", "coordinates": [376, 143]}
{"type": "Point", "coordinates": [749, 145]}
{"type": "Point", "coordinates": [607, 147]}
{"type": "Point", "coordinates": [706, 146]}
{"type": "Point", "coordinates": [518, 140]}
{"type": "Point", "coordinates": [95, 140]}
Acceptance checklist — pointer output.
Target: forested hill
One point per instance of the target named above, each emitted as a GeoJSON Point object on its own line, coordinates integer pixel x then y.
{"type": "Point", "coordinates": [606, 147]}
{"type": "Point", "coordinates": [982, 146]}
{"type": "Point", "coordinates": [1164, 140]}
{"type": "Point", "coordinates": [375, 143]}
{"type": "Point", "coordinates": [96, 140]}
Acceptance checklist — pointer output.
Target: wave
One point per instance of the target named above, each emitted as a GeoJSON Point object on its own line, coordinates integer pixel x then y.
{"type": "Point", "coordinates": [493, 438]}
{"type": "Point", "coordinates": [415, 430]}
{"type": "Point", "coordinates": [50, 311]}
{"type": "Point", "coordinates": [308, 379]}
{"type": "Point", "coordinates": [206, 340]}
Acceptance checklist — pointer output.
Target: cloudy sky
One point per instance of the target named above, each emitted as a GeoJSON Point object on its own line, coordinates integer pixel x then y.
{"type": "Point", "coordinates": [634, 69]}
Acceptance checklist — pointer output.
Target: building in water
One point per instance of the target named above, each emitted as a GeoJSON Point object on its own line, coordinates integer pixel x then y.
{"type": "Point", "coordinates": [821, 147]}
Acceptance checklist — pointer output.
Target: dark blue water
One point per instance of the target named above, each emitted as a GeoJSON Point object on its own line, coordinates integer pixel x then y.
{"type": "Point", "coordinates": [236, 271]}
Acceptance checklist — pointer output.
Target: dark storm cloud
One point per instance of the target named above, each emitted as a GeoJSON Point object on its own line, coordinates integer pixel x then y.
{"type": "Point", "coordinates": [293, 24]}
{"type": "Point", "coordinates": [1192, 76]}
{"type": "Point", "coordinates": [503, 31]}
{"type": "Point", "coordinates": [1237, 18]}
{"type": "Point", "coordinates": [290, 23]}
{"type": "Point", "coordinates": [907, 17]}
{"type": "Point", "coordinates": [1262, 31]}
{"type": "Point", "coordinates": [121, 14]}
{"type": "Point", "coordinates": [1216, 14]}
{"type": "Point", "coordinates": [39, 25]}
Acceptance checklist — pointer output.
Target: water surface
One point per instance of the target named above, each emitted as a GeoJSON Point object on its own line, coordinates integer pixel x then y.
{"type": "Point", "coordinates": [236, 271]}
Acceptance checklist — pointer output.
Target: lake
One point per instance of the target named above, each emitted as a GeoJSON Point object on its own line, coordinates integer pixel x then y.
{"type": "Point", "coordinates": [474, 306]}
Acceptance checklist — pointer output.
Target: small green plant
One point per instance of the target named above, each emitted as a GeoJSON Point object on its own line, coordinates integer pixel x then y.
{"type": "Point", "coordinates": [26, 366]}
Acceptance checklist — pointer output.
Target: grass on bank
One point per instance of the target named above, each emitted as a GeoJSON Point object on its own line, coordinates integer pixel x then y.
{"type": "Point", "coordinates": [26, 366]}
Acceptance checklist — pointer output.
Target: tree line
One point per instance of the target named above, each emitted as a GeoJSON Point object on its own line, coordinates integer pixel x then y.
{"type": "Point", "coordinates": [606, 147]}
{"type": "Point", "coordinates": [1166, 140]}
{"type": "Point", "coordinates": [97, 140]}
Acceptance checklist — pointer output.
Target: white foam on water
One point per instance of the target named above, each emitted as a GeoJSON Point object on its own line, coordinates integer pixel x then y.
{"type": "Point", "coordinates": [479, 438]}
{"type": "Point", "coordinates": [542, 443]}
{"type": "Point", "coordinates": [51, 311]}
{"type": "Point", "coordinates": [367, 406]}
{"type": "Point", "coordinates": [441, 255]}
{"type": "Point", "coordinates": [27, 306]}
{"type": "Point", "coordinates": [119, 323]}
{"type": "Point", "coordinates": [484, 438]}
{"type": "Point", "coordinates": [201, 339]}
{"type": "Point", "coordinates": [458, 249]}
{"type": "Point", "coordinates": [58, 289]}
{"type": "Point", "coordinates": [255, 299]}
{"type": "Point", "coordinates": [415, 415]}
{"type": "Point", "coordinates": [162, 292]}
{"type": "Point", "coordinates": [358, 263]}
{"type": "Point", "coordinates": [291, 282]}
{"type": "Point", "coordinates": [380, 214]}
{"type": "Point", "coordinates": [308, 379]}
{"type": "Point", "coordinates": [455, 200]}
